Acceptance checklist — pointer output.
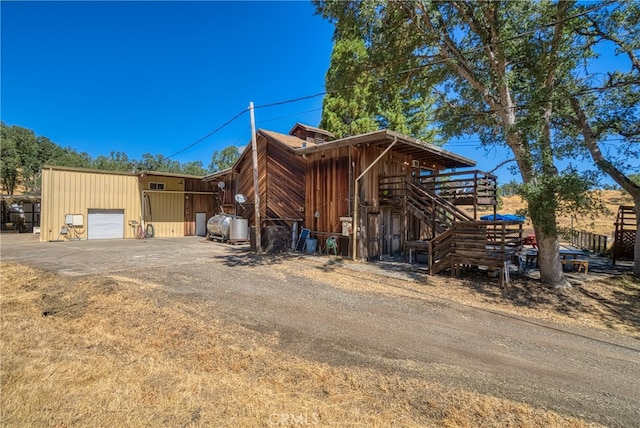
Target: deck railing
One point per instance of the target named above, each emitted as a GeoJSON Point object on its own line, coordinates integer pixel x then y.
{"type": "Point", "coordinates": [437, 212]}
{"type": "Point", "coordinates": [464, 187]}
{"type": "Point", "coordinates": [593, 242]}
{"type": "Point", "coordinates": [492, 244]}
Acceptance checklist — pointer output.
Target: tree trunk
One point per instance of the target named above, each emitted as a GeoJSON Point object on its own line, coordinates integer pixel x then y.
{"type": "Point", "coordinates": [551, 272]}
{"type": "Point", "coordinates": [591, 143]}
{"type": "Point", "coordinates": [544, 220]}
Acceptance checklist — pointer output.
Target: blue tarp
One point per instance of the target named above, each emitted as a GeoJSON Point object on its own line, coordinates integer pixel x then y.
{"type": "Point", "coordinates": [503, 217]}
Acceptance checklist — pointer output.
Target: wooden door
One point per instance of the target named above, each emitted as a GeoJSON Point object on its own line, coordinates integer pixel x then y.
{"type": "Point", "coordinates": [396, 234]}
{"type": "Point", "coordinates": [373, 236]}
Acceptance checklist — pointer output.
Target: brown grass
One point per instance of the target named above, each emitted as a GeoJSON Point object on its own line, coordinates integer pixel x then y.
{"type": "Point", "coordinates": [115, 353]}
{"type": "Point", "coordinates": [600, 223]}
{"type": "Point", "coordinates": [609, 303]}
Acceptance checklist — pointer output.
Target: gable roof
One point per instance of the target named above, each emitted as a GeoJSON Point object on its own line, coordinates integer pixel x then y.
{"type": "Point", "coordinates": [428, 154]}
{"type": "Point", "coordinates": [424, 152]}
{"type": "Point", "coordinates": [311, 129]}
{"type": "Point", "coordinates": [289, 142]}
{"type": "Point", "coordinates": [286, 140]}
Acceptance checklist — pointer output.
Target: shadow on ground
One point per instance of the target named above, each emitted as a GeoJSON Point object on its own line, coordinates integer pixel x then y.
{"type": "Point", "coordinates": [243, 256]}
{"type": "Point", "coordinates": [613, 299]}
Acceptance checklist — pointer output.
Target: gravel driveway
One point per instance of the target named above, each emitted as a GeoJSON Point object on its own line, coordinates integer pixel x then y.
{"type": "Point", "coordinates": [583, 372]}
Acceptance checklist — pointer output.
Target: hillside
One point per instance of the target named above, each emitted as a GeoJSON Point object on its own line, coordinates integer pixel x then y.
{"type": "Point", "coordinates": [601, 224]}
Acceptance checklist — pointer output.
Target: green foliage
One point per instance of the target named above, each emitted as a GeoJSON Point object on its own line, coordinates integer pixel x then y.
{"type": "Point", "coordinates": [521, 75]}
{"type": "Point", "coordinates": [499, 72]}
{"type": "Point", "coordinates": [510, 189]}
{"type": "Point", "coordinates": [347, 111]}
{"type": "Point", "coordinates": [567, 192]}
{"type": "Point", "coordinates": [194, 168]}
{"type": "Point", "coordinates": [116, 161]}
{"type": "Point", "coordinates": [23, 154]}
{"type": "Point", "coordinates": [366, 92]}
{"type": "Point", "coordinates": [224, 158]}
{"type": "Point", "coordinates": [158, 163]}
{"type": "Point", "coordinates": [10, 166]}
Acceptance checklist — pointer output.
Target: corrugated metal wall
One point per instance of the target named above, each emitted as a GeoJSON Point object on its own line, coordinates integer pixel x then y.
{"type": "Point", "coordinates": [68, 191]}
{"type": "Point", "coordinates": [164, 209]}
{"type": "Point", "coordinates": [75, 192]}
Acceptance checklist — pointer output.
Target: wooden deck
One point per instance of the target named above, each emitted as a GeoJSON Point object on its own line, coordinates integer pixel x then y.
{"type": "Point", "coordinates": [485, 244]}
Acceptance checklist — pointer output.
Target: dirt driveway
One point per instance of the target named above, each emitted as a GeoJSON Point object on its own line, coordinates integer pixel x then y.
{"type": "Point", "coordinates": [324, 310]}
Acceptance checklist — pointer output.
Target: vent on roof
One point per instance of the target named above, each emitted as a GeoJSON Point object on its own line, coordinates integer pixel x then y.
{"type": "Point", "coordinates": [415, 163]}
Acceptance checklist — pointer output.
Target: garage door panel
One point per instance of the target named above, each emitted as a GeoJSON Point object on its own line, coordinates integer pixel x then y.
{"type": "Point", "coordinates": [105, 224]}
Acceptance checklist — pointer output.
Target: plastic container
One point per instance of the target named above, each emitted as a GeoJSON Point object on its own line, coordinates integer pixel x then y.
{"type": "Point", "coordinates": [311, 245]}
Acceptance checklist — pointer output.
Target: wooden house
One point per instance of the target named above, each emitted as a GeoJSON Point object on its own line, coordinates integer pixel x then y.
{"type": "Point", "coordinates": [389, 185]}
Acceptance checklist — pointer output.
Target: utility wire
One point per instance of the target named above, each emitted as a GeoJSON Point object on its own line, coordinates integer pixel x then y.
{"type": "Point", "coordinates": [210, 133]}
{"type": "Point", "coordinates": [306, 97]}
{"type": "Point", "coordinates": [422, 66]}
{"type": "Point", "coordinates": [291, 115]}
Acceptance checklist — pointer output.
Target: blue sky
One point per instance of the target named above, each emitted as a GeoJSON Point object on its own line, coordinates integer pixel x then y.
{"type": "Point", "coordinates": [154, 77]}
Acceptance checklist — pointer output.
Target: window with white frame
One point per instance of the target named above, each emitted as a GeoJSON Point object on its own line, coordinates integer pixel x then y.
{"type": "Point", "coordinates": [156, 186]}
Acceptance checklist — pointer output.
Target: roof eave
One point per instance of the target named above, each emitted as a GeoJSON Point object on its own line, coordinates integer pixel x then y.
{"type": "Point", "coordinates": [379, 136]}
{"type": "Point", "coordinates": [217, 174]}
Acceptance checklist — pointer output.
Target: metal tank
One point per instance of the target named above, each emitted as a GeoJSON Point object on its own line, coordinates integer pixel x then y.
{"type": "Point", "coordinates": [226, 227]}
{"type": "Point", "coordinates": [239, 229]}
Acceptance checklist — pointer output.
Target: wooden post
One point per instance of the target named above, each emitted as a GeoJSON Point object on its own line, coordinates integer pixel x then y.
{"type": "Point", "coordinates": [256, 181]}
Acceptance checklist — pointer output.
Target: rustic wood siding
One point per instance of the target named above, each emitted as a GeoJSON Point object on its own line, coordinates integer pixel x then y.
{"type": "Point", "coordinates": [196, 203]}
{"type": "Point", "coordinates": [328, 182]}
{"type": "Point", "coordinates": [281, 181]}
{"type": "Point", "coordinates": [75, 192]}
{"type": "Point", "coordinates": [245, 186]}
{"type": "Point", "coordinates": [327, 190]}
{"type": "Point", "coordinates": [284, 187]}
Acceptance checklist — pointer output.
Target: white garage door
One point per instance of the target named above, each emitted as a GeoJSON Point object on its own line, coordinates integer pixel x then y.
{"type": "Point", "coordinates": [105, 224]}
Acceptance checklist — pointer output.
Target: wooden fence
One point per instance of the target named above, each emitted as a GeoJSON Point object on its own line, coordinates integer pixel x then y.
{"type": "Point", "coordinates": [593, 242]}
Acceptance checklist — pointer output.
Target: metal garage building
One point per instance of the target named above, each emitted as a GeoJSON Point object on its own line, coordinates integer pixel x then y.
{"type": "Point", "coordinates": [92, 204]}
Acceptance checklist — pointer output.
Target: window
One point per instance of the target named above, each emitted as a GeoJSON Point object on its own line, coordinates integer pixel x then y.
{"type": "Point", "coordinates": [156, 186]}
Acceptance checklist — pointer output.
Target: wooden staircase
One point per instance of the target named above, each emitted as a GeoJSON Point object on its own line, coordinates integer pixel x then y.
{"type": "Point", "coordinates": [433, 210]}
{"type": "Point", "coordinates": [437, 212]}
{"type": "Point", "coordinates": [440, 252]}
{"type": "Point", "coordinates": [457, 240]}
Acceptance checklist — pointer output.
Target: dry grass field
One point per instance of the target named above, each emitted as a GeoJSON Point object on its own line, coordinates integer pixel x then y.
{"type": "Point", "coordinates": [95, 351]}
{"type": "Point", "coordinates": [600, 223]}
{"type": "Point", "coordinates": [108, 351]}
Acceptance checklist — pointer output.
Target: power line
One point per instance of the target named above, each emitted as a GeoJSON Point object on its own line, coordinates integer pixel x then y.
{"type": "Point", "coordinates": [422, 66]}
{"type": "Point", "coordinates": [209, 134]}
{"type": "Point", "coordinates": [291, 115]}
{"type": "Point", "coordinates": [306, 97]}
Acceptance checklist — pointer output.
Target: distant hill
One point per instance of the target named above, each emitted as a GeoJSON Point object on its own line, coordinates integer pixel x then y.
{"type": "Point", "coordinates": [602, 224]}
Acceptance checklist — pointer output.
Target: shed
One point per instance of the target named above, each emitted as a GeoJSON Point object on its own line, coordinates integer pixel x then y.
{"type": "Point", "coordinates": [94, 204]}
